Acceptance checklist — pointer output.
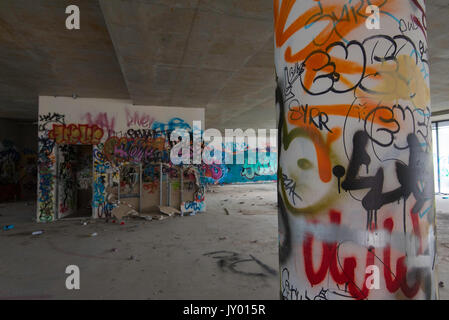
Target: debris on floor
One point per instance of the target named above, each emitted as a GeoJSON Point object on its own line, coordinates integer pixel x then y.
{"type": "Point", "coordinates": [169, 211]}
{"type": "Point", "coordinates": [146, 217]}
{"type": "Point", "coordinates": [227, 211]}
{"type": "Point", "coordinates": [94, 234]}
{"type": "Point", "coordinates": [35, 233]}
{"type": "Point", "coordinates": [441, 284]}
{"type": "Point", "coordinates": [123, 209]}
{"type": "Point", "coordinates": [157, 216]}
{"type": "Point", "coordinates": [8, 227]}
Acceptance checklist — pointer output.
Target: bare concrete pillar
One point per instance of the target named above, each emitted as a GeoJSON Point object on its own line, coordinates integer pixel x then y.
{"type": "Point", "coordinates": [355, 180]}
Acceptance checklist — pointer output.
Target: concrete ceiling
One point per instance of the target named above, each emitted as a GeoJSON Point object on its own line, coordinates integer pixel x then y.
{"type": "Point", "coordinates": [197, 53]}
{"type": "Point", "coordinates": [215, 54]}
{"type": "Point", "coordinates": [438, 26]}
{"type": "Point", "coordinates": [39, 56]}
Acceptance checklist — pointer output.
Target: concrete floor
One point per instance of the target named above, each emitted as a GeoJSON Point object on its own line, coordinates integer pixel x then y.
{"type": "Point", "coordinates": [148, 260]}
{"type": "Point", "coordinates": [213, 255]}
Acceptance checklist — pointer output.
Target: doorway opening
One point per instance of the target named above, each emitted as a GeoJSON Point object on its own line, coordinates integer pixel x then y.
{"type": "Point", "coordinates": [75, 181]}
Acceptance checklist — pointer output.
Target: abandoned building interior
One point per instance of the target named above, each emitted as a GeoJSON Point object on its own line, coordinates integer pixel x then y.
{"type": "Point", "coordinates": [356, 174]}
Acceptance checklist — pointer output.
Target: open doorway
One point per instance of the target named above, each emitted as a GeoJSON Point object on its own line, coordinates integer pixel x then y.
{"type": "Point", "coordinates": [75, 181]}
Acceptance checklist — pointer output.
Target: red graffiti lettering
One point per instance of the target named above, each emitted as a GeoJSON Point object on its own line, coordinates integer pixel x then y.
{"type": "Point", "coordinates": [76, 133]}
{"type": "Point", "coordinates": [101, 120]}
{"type": "Point", "coordinates": [344, 273]}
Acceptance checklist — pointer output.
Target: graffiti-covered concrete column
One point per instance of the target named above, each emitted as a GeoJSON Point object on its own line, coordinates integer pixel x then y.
{"type": "Point", "coordinates": [355, 179]}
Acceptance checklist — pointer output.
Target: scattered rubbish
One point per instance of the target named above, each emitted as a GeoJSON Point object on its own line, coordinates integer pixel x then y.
{"type": "Point", "coordinates": [254, 241]}
{"type": "Point", "coordinates": [227, 211]}
{"type": "Point", "coordinates": [84, 223]}
{"type": "Point", "coordinates": [169, 211]}
{"type": "Point", "coordinates": [122, 223]}
{"type": "Point", "coordinates": [35, 233]}
{"type": "Point", "coordinates": [241, 202]}
{"type": "Point", "coordinates": [445, 198]}
{"type": "Point", "coordinates": [8, 227]}
{"type": "Point", "coordinates": [222, 238]}
{"type": "Point", "coordinates": [144, 217]}
{"type": "Point", "coordinates": [157, 216]}
{"type": "Point", "coordinates": [94, 234]}
{"type": "Point", "coordinates": [131, 258]}
{"type": "Point", "coordinates": [123, 209]}
{"type": "Point", "coordinates": [114, 250]}
{"type": "Point", "coordinates": [441, 284]}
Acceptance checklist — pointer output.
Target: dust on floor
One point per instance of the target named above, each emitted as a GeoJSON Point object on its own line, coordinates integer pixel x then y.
{"type": "Point", "coordinates": [212, 255]}
{"type": "Point", "coordinates": [229, 252]}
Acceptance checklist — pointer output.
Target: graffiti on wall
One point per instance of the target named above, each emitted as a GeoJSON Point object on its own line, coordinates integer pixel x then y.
{"type": "Point", "coordinates": [47, 171]}
{"type": "Point", "coordinates": [17, 171]}
{"type": "Point", "coordinates": [118, 139]}
{"type": "Point", "coordinates": [355, 166]}
{"type": "Point", "coordinates": [143, 150]}
{"type": "Point", "coordinates": [67, 180]}
{"type": "Point", "coordinates": [9, 159]}
{"type": "Point", "coordinates": [76, 133]}
{"type": "Point", "coordinates": [102, 120]}
{"type": "Point", "coordinates": [240, 173]}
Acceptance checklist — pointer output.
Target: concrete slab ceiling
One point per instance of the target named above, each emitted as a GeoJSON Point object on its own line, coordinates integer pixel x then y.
{"type": "Point", "coordinates": [211, 54]}
{"type": "Point", "coordinates": [39, 56]}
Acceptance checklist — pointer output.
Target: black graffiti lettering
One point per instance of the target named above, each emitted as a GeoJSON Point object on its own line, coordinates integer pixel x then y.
{"type": "Point", "coordinates": [46, 119]}
{"type": "Point", "coordinates": [414, 178]}
{"type": "Point", "coordinates": [289, 292]}
{"type": "Point", "coordinates": [340, 17]}
{"type": "Point", "coordinates": [291, 76]}
{"type": "Point", "coordinates": [339, 172]}
{"type": "Point", "coordinates": [329, 70]}
{"type": "Point", "coordinates": [405, 26]}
